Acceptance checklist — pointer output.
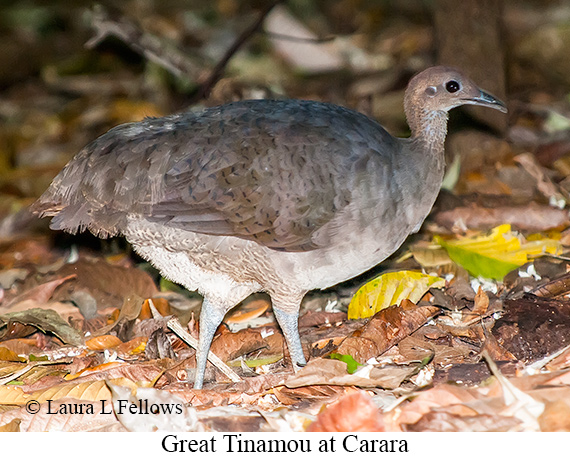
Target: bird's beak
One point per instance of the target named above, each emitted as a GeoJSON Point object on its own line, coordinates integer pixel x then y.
{"type": "Point", "coordinates": [486, 99]}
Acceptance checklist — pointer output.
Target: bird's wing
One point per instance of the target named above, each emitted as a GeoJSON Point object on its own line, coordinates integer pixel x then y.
{"type": "Point", "coordinates": [271, 171]}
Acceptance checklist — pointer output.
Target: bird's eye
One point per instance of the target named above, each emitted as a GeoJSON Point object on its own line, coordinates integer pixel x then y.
{"type": "Point", "coordinates": [452, 86]}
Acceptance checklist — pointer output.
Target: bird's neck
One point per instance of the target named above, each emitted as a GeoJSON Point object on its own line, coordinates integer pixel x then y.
{"type": "Point", "coordinates": [428, 127]}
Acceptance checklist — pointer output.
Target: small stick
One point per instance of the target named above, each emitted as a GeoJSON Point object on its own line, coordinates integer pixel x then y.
{"type": "Point", "coordinates": [174, 60]}
{"type": "Point", "coordinates": [171, 58]}
{"type": "Point", "coordinates": [216, 73]}
{"type": "Point", "coordinates": [296, 39]}
{"type": "Point", "coordinates": [174, 324]}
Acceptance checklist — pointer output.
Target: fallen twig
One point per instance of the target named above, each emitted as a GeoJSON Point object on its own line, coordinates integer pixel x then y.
{"type": "Point", "coordinates": [174, 324]}
{"type": "Point", "coordinates": [216, 73]}
{"type": "Point", "coordinates": [155, 49]}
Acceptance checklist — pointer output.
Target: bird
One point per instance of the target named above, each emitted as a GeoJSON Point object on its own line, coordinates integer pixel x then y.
{"type": "Point", "coordinates": [282, 196]}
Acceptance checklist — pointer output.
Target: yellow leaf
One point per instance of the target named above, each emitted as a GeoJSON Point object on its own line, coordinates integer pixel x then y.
{"type": "Point", "coordinates": [494, 255]}
{"type": "Point", "coordinates": [7, 355]}
{"type": "Point", "coordinates": [390, 289]}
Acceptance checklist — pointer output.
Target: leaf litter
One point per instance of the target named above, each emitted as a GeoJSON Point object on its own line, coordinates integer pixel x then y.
{"type": "Point", "coordinates": [402, 348]}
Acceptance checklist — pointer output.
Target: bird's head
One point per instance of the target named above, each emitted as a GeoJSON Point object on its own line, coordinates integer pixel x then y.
{"type": "Point", "coordinates": [435, 91]}
{"type": "Point", "coordinates": [444, 88]}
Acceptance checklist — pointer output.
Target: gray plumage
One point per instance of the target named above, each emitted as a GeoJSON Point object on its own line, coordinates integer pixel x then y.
{"type": "Point", "coordinates": [282, 196]}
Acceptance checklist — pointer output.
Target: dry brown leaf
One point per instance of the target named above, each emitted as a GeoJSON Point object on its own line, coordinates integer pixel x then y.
{"type": "Point", "coordinates": [555, 288]}
{"type": "Point", "coordinates": [132, 347]}
{"type": "Point", "coordinates": [321, 318]}
{"type": "Point", "coordinates": [210, 398]}
{"type": "Point", "coordinates": [247, 311]}
{"type": "Point", "coordinates": [385, 329]}
{"type": "Point", "coordinates": [310, 394]}
{"type": "Point", "coordinates": [415, 348]}
{"type": "Point", "coordinates": [223, 418]}
{"type": "Point", "coordinates": [439, 396]}
{"type": "Point", "coordinates": [445, 421]}
{"type": "Point", "coordinates": [547, 395]}
{"type": "Point", "coordinates": [47, 320]}
{"type": "Point", "coordinates": [519, 404]}
{"type": "Point", "coordinates": [17, 330]}
{"type": "Point", "coordinates": [327, 343]}
{"type": "Point", "coordinates": [481, 302]}
{"type": "Point", "coordinates": [9, 368]}
{"type": "Point", "coordinates": [159, 346]}
{"type": "Point", "coordinates": [449, 326]}
{"type": "Point", "coordinates": [12, 426]}
{"type": "Point", "coordinates": [88, 416]}
{"type": "Point", "coordinates": [22, 345]}
{"type": "Point", "coordinates": [545, 185]}
{"type": "Point", "coordinates": [532, 217]}
{"type": "Point", "coordinates": [26, 251]}
{"type": "Point", "coordinates": [491, 345]}
{"type": "Point", "coordinates": [41, 293]}
{"type": "Point", "coordinates": [99, 343]}
{"type": "Point", "coordinates": [92, 391]}
{"type": "Point", "coordinates": [161, 305]}
{"type": "Point", "coordinates": [143, 374]}
{"type": "Point", "coordinates": [108, 284]}
{"type": "Point", "coordinates": [129, 312]}
{"type": "Point", "coordinates": [228, 345]}
{"type": "Point", "coordinates": [429, 256]}
{"type": "Point", "coordinates": [352, 413]}
{"type": "Point", "coordinates": [65, 310]}
{"type": "Point", "coordinates": [334, 372]}
{"type": "Point", "coordinates": [561, 362]}
{"type": "Point", "coordinates": [42, 375]}
{"type": "Point", "coordinates": [535, 383]}
{"type": "Point", "coordinates": [556, 416]}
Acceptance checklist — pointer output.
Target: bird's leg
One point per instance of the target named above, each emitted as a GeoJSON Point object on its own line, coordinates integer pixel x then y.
{"type": "Point", "coordinates": [289, 323]}
{"type": "Point", "coordinates": [211, 317]}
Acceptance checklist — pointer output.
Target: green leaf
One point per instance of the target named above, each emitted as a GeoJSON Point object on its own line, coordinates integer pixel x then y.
{"type": "Point", "coordinates": [479, 264]}
{"type": "Point", "coordinates": [36, 358]}
{"type": "Point", "coordinates": [253, 363]}
{"type": "Point", "coordinates": [351, 364]}
{"type": "Point", "coordinates": [497, 254]}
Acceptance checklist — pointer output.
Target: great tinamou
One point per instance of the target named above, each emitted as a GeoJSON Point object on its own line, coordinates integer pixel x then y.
{"type": "Point", "coordinates": [281, 196]}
